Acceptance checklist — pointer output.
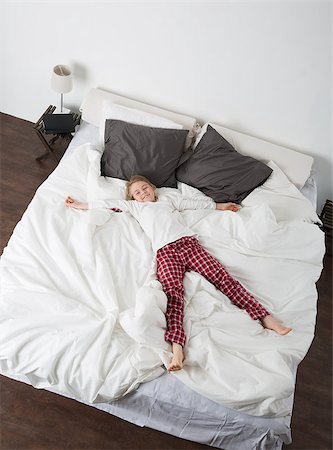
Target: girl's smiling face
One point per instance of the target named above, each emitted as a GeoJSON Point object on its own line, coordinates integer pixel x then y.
{"type": "Point", "coordinates": [142, 191]}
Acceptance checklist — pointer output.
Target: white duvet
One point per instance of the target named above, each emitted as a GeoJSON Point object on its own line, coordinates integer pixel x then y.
{"type": "Point", "coordinates": [82, 312]}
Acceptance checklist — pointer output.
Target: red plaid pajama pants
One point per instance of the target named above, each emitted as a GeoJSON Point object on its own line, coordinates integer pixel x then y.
{"type": "Point", "coordinates": [184, 255]}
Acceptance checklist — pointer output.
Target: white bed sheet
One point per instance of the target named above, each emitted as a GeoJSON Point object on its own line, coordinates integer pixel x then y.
{"type": "Point", "coordinates": [147, 364]}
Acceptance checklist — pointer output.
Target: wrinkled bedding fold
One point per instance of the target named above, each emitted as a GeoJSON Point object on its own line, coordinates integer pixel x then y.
{"type": "Point", "coordinates": [83, 314]}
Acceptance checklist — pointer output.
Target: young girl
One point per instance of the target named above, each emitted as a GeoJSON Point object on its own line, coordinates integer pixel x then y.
{"type": "Point", "coordinates": [178, 251]}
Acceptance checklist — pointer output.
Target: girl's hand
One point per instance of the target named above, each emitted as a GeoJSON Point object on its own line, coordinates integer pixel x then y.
{"type": "Point", "coordinates": [228, 206]}
{"type": "Point", "coordinates": [72, 203]}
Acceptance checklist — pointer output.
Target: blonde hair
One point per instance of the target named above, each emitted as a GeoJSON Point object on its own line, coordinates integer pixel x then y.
{"type": "Point", "coordinates": [133, 180]}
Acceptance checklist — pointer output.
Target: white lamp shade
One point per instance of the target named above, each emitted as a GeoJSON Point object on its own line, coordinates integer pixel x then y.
{"type": "Point", "coordinates": [62, 79]}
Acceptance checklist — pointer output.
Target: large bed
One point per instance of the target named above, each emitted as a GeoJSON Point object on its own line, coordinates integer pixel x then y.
{"type": "Point", "coordinates": [82, 313]}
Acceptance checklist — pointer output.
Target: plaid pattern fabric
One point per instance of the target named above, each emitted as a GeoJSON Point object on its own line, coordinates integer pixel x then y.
{"type": "Point", "coordinates": [184, 255]}
{"type": "Point", "coordinates": [116, 210]}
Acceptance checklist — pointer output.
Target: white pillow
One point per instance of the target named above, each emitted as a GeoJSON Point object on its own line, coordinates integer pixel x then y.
{"type": "Point", "coordinates": [297, 166]}
{"type": "Point", "coordinates": [131, 115]}
{"type": "Point", "coordinates": [283, 198]}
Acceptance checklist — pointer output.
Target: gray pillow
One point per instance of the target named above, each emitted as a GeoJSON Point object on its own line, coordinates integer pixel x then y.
{"type": "Point", "coordinates": [139, 150]}
{"type": "Point", "coordinates": [219, 171]}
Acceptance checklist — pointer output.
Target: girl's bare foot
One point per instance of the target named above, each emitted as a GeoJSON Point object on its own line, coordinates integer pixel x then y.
{"type": "Point", "coordinates": [178, 357]}
{"type": "Point", "coordinates": [273, 324]}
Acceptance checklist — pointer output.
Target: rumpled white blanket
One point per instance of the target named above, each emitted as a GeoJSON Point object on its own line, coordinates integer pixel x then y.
{"type": "Point", "coordinates": [82, 312]}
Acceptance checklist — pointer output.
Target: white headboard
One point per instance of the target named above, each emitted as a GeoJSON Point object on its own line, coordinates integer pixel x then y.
{"type": "Point", "coordinates": [297, 166]}
{"type": "Point", "coordinates": [92, 105]}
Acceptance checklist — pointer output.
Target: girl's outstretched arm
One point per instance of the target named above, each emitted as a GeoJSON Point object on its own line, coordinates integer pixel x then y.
{"type": "Point", "coordinates": [72, 203]}
{"type": "Point", "coordinates": [193, 203]}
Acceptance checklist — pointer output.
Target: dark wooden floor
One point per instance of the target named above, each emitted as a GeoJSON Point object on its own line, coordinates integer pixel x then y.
{"type": "Point", "coordinates": [39, 420]}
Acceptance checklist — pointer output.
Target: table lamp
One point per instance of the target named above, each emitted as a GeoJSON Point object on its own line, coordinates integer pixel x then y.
{"type": "Point", "coordinates": [62, 81]}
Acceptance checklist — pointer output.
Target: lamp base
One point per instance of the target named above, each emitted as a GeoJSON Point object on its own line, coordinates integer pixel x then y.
{"type": "Point", "coordinates": [64, 110]}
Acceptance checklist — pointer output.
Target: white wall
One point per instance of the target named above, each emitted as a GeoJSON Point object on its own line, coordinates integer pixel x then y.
{"type": "Point", "coordinates": [263, 68]}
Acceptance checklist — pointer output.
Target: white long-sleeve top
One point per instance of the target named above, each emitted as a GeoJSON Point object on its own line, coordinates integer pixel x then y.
{"type": "Point", "coordinates": [160, 220]}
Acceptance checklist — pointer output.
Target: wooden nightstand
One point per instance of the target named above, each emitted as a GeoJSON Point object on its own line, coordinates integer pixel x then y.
{"type": "Point", "coordinates": [43, 135]}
